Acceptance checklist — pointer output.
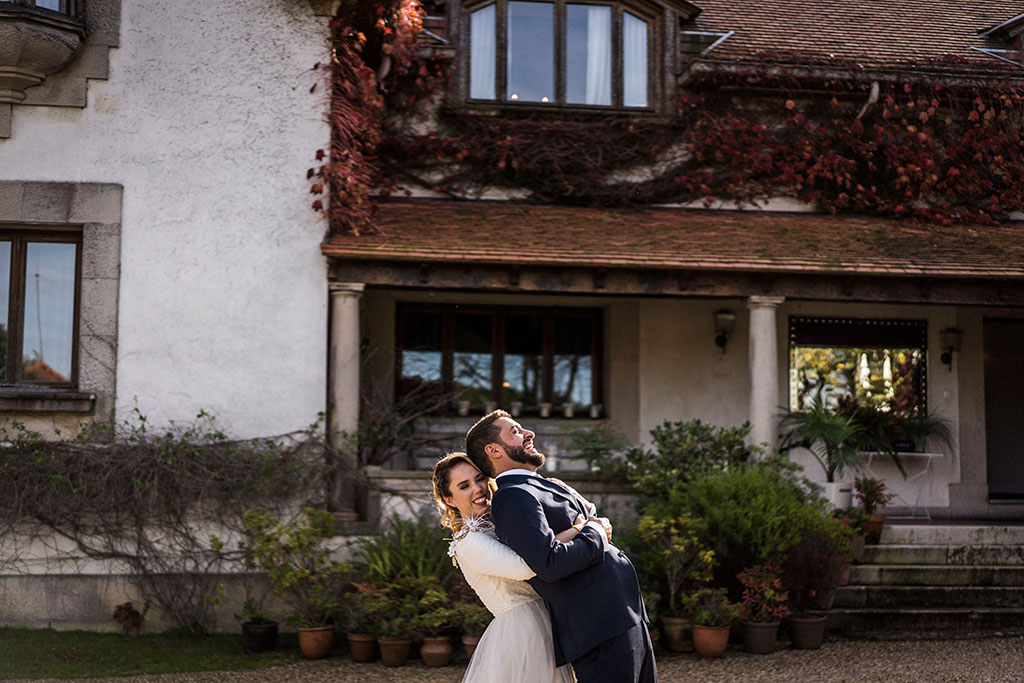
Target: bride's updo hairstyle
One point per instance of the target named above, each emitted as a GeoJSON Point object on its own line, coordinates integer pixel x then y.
{"type": "Point", "coordinates": [450, 516]}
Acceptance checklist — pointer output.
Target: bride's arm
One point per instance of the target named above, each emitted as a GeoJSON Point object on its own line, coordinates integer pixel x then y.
{"type": "Point", "coordinates": [486, 555]}
{"type": "Point", "coordinates": [570, 533]}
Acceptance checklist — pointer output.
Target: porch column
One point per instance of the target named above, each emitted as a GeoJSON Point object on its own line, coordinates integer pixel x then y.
{"type": "Point", "coordinates": [764, 369]}
{"type": "Point", "coordinates": [343, 394]}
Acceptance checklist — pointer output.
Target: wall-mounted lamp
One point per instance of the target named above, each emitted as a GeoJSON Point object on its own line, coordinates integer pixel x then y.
{"type": "Point", "coordinates": [950, 342]}
{"type": "Point", "coordinates": [725, 324]}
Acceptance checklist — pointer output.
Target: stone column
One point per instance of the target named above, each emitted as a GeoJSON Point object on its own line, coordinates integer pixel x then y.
{"type": "Point", "coordinates": [343, 393]}
{"type": "Point", "coordinates": [764, 369]}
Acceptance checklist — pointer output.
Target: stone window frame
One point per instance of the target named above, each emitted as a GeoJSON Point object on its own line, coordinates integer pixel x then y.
{"type": "Point", "coordinates": [95, 209]}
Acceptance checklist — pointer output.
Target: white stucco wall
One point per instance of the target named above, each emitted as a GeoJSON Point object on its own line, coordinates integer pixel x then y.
{"type": "Point", "coordinates": [208, 122]}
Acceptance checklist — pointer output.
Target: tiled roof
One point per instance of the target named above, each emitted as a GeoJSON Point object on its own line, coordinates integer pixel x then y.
{"type": "Point", "coordinates": [497, 233]}
{"type": "Point", "coordinates": [873, 32]}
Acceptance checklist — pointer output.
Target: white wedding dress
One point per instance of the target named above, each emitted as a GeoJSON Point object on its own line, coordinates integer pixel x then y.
{"type": "Point", "coordinates": [516, 647]}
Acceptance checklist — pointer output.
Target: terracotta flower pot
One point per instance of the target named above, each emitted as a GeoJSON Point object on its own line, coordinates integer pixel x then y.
{"type": "Point", "coordinates": [678, 633]}
{"type": "Point", "coordinates": [394, 651]}
{"type": "Point", "coordinates": [710, 641]}
{"type": "Point", "coordinates": [436, 651]}
{"type": "Point", "coordinates": [470, 643]}
{"type": "Point", "coordinates": [807, 631]}
{"type": "Point", "coordinates": [873, 531]}
{"type": "Point", "coordinates": [362, 647]}
{"type": "Point", "coordinates": [759, 637]}
{"type": "Point", "coordinates": [315, 643]}
{"type": "Point", "coordinates": [259, 637]}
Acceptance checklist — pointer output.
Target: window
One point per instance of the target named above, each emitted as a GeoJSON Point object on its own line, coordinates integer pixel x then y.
{"type": "Point", "coordinates": [507, 355]}
{"type": "Point", "coordinates": [68, 7]}
{"type": "Point", "coordinates": [878, 362]}
{"type": "Point", "coordinates": [560, 53]}
{"type": "Point", "coordinates": [39, 275]}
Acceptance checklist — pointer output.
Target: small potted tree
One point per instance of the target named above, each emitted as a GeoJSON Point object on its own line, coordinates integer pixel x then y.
{"type": "Point", "coordinates": [712, 615]}
{"type": "Point", "coordinates": [259, 629]}
{"type": "Point", "coordinates": [872, 494]}
{"type": "Point", "coordinates": [359, 624]}
{"type": "Point", "coordinates": [764, 605]}
{"type": "Point", "coordinates": [473, 618]}
{"type": "Point", "coordinates": [833, 438]}
{"type": "Point", "coordinates": [436, 616]}
{"type": "Point", "coordinates": [395, 607]}
{"type": "Point", "coordinates": [296, 557]}
{"type": "Point", "coordinates": [674, 541]}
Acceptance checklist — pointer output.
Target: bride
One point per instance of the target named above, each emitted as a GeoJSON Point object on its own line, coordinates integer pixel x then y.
{"type": "Point", "coordinates": [517, 646]}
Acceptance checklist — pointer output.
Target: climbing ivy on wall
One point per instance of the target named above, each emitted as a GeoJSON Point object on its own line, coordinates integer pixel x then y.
{"type": "Point", "coordinates": [933, 144]}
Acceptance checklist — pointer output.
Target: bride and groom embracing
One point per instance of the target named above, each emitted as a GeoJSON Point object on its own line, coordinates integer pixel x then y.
{"type": "Point", "coordinates": [566, 602]}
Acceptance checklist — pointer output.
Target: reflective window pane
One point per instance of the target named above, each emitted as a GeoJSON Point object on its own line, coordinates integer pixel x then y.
{"type": "Point", "coordinates": [524, 359]}
{"type": "Point", "coordinates": [420, 355]}
{"type": "Point", "coordinates": [634, 61]}
{"type": "Point", "coordinates": [588, 54]}
{"type": "Point", "coordinates": [482, 51]}
{"type": "Point", "coordinates": [573, 361]}
{"type": "Point", "coordinates": [472, 358]}
{"type": "Point", "coordinates": [48, 322]}
{"type": "Point", "coordinates": [531, 52]}
{"type": "Point", "coordinates": [49, 4]}
{"type": "Point", "coordinates": [5, 298]}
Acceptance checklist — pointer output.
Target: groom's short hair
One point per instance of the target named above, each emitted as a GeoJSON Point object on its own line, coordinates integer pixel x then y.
{"type": "Point", "coordinates": [485, 431]}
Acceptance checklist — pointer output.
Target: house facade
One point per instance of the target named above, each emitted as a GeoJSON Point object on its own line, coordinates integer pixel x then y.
{"type": "Point", "coordinates": [633, 300]}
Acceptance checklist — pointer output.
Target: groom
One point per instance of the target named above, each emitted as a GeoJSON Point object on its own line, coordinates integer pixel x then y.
{"type": "Point", "coordinates": [589, 586]}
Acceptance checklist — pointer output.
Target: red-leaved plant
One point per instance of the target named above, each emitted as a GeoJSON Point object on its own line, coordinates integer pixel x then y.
{"type": "Point", "coordinates": [764, 599]}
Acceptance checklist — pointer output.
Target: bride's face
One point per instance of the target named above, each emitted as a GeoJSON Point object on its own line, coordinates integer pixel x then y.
{"type": "Point", "coordinates": [470, 494]}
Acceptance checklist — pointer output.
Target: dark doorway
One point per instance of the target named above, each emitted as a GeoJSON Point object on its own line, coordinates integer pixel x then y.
{"type": "Point", "coordinates": [1004, 407]}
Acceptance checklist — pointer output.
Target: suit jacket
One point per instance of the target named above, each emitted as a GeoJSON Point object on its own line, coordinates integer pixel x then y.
{"type": "Point", "coordinates": [592, 595]}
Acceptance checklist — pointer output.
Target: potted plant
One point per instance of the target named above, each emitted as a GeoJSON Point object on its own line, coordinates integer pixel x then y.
{"type": "Point", "coordinates": [259, 629]}
{"type": "Point", "coordinates": [810, 574]}
{"type": "Point", "coordinates": [712, 615]}
{"type": "Point", "coordinates": [395, 609]}
{"type": "Point", "coordinates": [359, 624]}
{"type": "Point", "coordinates": [473, 618]}
{"type": "Point", "coordinates": [436, 615]}
{"type": "Point", "coordinates": [297, 559]}
{"type": "Point", "coordinates": [833, 438]}
{"type": "Point", "coordinates": [872, 494]}
{"type": "Point", "coordinates": [674, 541]}
{"type": "Point", "coordinates": [764, 605]}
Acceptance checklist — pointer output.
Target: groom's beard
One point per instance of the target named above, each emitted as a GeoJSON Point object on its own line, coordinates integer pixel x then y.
{"type": "Point", "coordinates": [519, 454]}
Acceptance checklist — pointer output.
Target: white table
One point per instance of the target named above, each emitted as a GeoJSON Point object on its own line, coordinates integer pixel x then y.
{"type": "Point", "coordinates": [916, 478]}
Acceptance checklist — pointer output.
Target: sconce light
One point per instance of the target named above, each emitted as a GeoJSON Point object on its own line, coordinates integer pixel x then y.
{"type": "Point", "coordinates": [950, 339]}
{"type": "Point", "coordinates": [725, 323]}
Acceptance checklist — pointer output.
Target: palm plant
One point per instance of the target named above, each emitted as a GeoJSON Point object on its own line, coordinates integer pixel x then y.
{"type": "Point", "coordinates": [832, 437]}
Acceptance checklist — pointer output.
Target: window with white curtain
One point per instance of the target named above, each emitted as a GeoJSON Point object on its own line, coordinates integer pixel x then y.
{"type": "Point", "coordinates": [524, 51]}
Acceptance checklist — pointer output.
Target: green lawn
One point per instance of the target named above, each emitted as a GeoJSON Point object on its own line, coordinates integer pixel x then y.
{"type": "Point", "coordinates": [46, 653]}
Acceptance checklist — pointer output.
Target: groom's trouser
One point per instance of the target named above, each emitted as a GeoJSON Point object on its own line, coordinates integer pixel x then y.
{"type": "Point", "coordinates": [627, 657]}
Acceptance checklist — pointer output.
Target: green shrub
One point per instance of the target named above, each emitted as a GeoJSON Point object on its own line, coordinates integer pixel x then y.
{"type": "Point", "coordinates": [751, 515]}
{"type": "Point", "coordinates": [685, 452]}
{"type": "Point", "coordinates": [600, 446]}
{"type": "Point", "coordinates": [673, 543]}
{"type": "Point", "coordinates": [404, 549]}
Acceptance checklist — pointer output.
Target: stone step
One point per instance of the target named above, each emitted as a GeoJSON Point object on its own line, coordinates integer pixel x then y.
{"type": "Point", "coordinates": [887, 597]}
{"type": "Point", "coordinates": [935, 575]}
{"type": "Point", "coordinates": [959, 620]}
{"type": "Point", "coordinates": [1003, 555]}
{"type": "Point", "coordinates": [952, 534]}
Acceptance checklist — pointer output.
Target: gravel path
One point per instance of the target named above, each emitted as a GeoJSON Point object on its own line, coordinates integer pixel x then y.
{"type": "Point", "coordinates": [906, 661]}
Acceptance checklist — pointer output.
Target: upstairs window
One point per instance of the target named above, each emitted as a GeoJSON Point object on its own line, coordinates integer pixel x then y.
{"type": "Point", "coordinates": [67, 7]}
{"type": "Point", "coordinates": [560, 53]}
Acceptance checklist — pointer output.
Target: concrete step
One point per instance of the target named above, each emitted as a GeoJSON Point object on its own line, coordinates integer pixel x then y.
{"type": "Point", "coordinates": [953, 620]}
{"type": "Point", "coordinates": [1003, 555]}
{"type": "Point", "coordinates": [952, 534]}
{"type": "Point", "coordinates": [935, 575]}
{"type": "Point", "coordinates": [915, 597]}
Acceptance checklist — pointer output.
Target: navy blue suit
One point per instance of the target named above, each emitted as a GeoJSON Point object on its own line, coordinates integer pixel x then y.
{"type": "Point", "coordinates": [592, 596]}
